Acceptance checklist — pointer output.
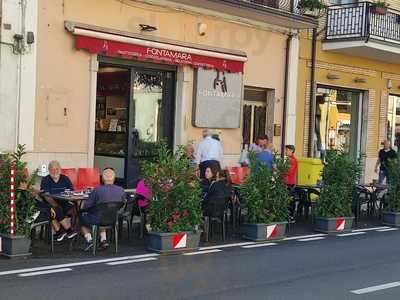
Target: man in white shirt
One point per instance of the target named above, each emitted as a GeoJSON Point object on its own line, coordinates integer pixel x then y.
{"type": "Point", "coordinates": [209, 153]}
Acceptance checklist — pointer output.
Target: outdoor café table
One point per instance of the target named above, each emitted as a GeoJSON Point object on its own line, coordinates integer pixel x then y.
{"type": "Point", "coordinates": [376, 189]}
{"type": "Point", "coordinates": [76, 198]}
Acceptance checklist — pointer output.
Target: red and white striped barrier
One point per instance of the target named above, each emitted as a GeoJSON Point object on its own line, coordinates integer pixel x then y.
{"type": "Point", "coordinates": [12, 199]}
{"type": "Point", "coordinates": [272, 231]}
{"type": "Point", "coordinates": [340, 223]}
{"type": "Point", "coordinates": [179, 241]}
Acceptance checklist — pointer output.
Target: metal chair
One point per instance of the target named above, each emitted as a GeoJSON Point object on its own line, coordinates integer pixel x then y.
{"type": "Point", "coordinates": [108, 216]}
{"type": "Point", "coordinates": [132, 214]}
{"type": "Point", "coordinates": [215, 211]}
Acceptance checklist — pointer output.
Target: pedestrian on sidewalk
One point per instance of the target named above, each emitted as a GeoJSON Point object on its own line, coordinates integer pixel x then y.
{"type": "Point", "coordinates": [384, 156]}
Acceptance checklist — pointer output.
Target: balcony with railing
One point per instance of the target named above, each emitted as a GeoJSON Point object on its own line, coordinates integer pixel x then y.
{"type": "Point", "coordinates": [282, 13]}
{"type": "Point", "coordinates": [359, 29]}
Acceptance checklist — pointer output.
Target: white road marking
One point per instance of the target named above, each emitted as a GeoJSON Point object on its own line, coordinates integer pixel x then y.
{"type": "Point", "coordinates": [226, 246]}
{"type": "Point", "coordinates": [370, 229]}
{"type": "Point", "coordinates": [116, 263]}
{"type": "Point", "coordinates": [203, 252]}
{"type": "Point", "coordinates": [259, 245]}
{"type": "Point", "coordinates": [303, 236]}
{"type": "Point", "coordinates": [312, 239]}
{"type": "Point", "coordinates": [351, 233]}
{"type": "Point", "coordinates": [45, 272]}
{"type": "Point", "coordinates": [84, 263]}
{"type": "Point", "coordinates": [375, 288]}
{"type": "Point", "coordinates": [388, 229]}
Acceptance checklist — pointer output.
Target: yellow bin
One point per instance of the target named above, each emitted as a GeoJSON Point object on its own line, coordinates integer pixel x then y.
{"type": "Point", "coordinates": [309, 171]}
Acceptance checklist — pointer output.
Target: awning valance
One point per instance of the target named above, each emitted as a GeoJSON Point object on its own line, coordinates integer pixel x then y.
{"type": "Point", "coordinates": [134, 48]}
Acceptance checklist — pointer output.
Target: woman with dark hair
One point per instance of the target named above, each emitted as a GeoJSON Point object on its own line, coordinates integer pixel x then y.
{"type": "Point", "coordinates": [215, 187]}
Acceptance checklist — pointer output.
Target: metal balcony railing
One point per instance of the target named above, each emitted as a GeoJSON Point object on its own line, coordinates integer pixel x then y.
{"type": "Point", "coordinates": [285, 5]}
{"type": "Point", "coordinates": [359, 21]}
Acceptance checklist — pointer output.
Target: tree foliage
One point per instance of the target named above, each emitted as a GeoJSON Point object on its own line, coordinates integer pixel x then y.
{"type": "Point", "coordinates": [265, 192]}
{"type": "Point", "coordinates": [24, 197]}
{"type": "Point", "coordinates": [393, 181]}
{"type": "Point", "coordinates": [340, 175]}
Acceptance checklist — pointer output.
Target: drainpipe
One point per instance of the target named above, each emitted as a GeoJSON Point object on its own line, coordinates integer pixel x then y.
{"type": "Point", "coordinates": [285, 93]}
{"type": "Point", "coordinates": [312, 93]}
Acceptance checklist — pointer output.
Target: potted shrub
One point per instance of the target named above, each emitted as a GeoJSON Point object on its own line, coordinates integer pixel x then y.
{"type": "Point", "coordinates": [379, 7]}
{"type": "Point", "coordinates": [334, 207]}
{"type": "Point", "coordinates": [313, 8]}
{"type": "Point", "coordinates": [267, 199]}
{"type": "Point", "coordinates": [391, 215]}
{"type": "Point", "coordinates": [17, 244]}
{"type": "Point", "coordinates": [175, 208]}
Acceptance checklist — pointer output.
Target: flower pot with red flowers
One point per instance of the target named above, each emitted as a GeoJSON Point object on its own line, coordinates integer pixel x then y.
{"type": "Point", "coordinates": [175, 208]}
{"type": "Point", "coordinates": [267, 199]}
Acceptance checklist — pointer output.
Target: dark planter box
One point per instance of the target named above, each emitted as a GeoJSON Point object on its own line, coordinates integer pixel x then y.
{"type": "Point", "coordinates": [15, 246]}
{"type": "Point", "coordinates": [264, 232]}
{"type": "Point", "coordinates": [171, 243]}
{"type": "Point", "coordinates": [378, 10]}
{"type": "Point", "coordinates": [391, 218]}
{"type": "Point", "coordinates": [333, 225]}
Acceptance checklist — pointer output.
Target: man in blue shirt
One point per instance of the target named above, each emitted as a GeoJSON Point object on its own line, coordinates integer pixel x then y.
{"type": "Point", "coordinates": [266, 157]}
{"type": "Point", "coordinates": [61, 211]}
{"type": "Point", "coordinates": [108, 192]}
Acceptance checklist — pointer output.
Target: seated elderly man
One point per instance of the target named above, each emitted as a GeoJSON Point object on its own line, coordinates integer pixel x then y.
{"type": "Point", "coordinates": [61, 211]}
{"type": "Point", "coordinates": [108, 192]}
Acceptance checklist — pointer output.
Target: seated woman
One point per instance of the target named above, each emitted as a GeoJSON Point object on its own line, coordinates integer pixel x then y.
{"type": "Point", "coordinates": [216, 189]}
{"type": "Point", "coordinates": [143, 194]}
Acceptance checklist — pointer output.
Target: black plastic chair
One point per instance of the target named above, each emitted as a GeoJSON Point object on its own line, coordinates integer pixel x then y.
{"type": "Point", "coordinates": [132, 214]}
{"type": "Point", "coordinates": [46, 225]}
{"type": "Point", "coordinates": [362, 196]}
{"type": "Point", "coordinates": [215, 211]}
{"type": "Point", "coordinates": [108, 216]}
{"type": "Point", "coordinates": [44, 222]}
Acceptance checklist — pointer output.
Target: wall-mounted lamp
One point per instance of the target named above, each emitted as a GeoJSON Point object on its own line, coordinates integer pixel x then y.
{"type": "Point", "coordinates": [148, 28]}
{"type": "Point", "coordinates": [389, 84]}
{"type": "Point", "coordinates": [202, 28]}
{"type": "Point", "coordinates": [332, 76]}
{"type": "Point", "coordinates": [360, 80]}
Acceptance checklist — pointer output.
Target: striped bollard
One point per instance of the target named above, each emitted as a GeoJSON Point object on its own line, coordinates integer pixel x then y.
{"type": "Point", "coordinates": [12, 199]}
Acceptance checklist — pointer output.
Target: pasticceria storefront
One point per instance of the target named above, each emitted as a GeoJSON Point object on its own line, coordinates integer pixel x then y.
{"type": "Point", "coordinates": [113, 77]}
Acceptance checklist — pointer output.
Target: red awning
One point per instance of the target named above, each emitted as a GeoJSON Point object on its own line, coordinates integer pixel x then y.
{"type": "Point", "coordinates": [168, 54]}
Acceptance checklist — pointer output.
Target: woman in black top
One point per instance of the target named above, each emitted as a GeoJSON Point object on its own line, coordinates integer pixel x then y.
{"type": "Point", "coordinates": [216, 189]}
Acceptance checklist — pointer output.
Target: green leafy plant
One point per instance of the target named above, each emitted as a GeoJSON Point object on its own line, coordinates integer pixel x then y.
{"type": "Point", "coordinates": [24, 196]}
{"type": "Point", "coordinates": [393, 180]}
{"type": "Point", "coordinates": [382, 4]}
{"type": "Point", "coordinates": [265, 192]}
{"type": "Point", "coordinates": [176, 203]}
{"type": "Point", "coordinates": [339, 176]}
{"type": "Point", "coordinates": [314, 6]}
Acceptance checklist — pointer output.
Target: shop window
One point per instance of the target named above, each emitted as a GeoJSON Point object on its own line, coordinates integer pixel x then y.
{"type": "Point", "coordinates": [337, 121]}
{"type": "Point", "coordinates": [393, 122]}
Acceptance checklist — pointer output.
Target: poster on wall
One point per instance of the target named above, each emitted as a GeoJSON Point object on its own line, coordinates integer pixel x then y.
{"type": "Point", "coordinates": [218, 97]}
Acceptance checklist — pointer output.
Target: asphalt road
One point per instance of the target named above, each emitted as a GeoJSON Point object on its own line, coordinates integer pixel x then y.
{"type": "Point", "coordinates": [320, 267]}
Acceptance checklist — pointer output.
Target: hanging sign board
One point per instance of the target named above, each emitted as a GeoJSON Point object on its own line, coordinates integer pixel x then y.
{"type": "Point", "coordinates": [218, 97]}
